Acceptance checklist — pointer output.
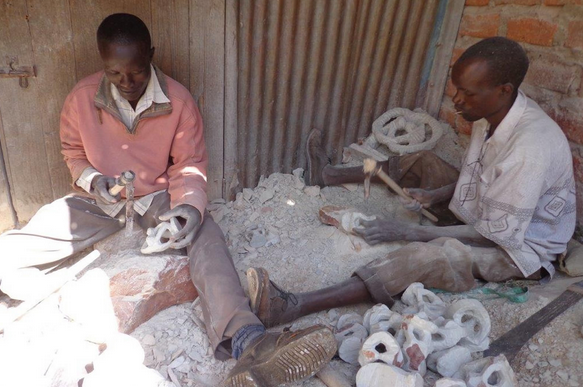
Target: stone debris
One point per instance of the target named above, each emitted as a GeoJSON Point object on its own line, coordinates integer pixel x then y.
{"type": "Point", "coordinates": [309, 255]}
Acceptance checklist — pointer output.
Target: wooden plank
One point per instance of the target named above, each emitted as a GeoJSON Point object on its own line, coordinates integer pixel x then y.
{"type": "Point", "coordinates": [170, 37]}
{"type": "Point", "coordinates": [52, 43]}
{"type": "Point", "coordinates": [230, 169]}
{"type": "Point", "coordinates": [87, 15]}
{"type": "Point", "coordinates": [207, 22]}
{"type": "Point", "coordinates": [22, 134]}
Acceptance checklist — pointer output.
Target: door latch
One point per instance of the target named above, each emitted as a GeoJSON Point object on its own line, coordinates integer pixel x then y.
{"type": "Point", "coordinates": [13, 70]}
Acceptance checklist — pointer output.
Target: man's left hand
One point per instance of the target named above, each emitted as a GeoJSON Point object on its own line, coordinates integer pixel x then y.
{"type": "Point", "coordinates": [193, 223]}
{"type": "Point", "coordinates": [381, 230]}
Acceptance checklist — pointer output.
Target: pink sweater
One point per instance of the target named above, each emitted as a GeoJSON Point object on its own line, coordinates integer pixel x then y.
{"type": "Point", "coordinates": [166, 149]}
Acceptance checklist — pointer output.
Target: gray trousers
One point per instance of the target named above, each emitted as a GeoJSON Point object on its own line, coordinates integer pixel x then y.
{"type": "Point", "coordinates": [443, 263]}
{"type": "Point", "coordinates": [73, 223]}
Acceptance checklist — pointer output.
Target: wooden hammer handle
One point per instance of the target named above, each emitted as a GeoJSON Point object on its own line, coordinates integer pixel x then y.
{"type": "Point", "coordinates": [120, 183]}
{"type": "Point", "coordinates": [391, 183]}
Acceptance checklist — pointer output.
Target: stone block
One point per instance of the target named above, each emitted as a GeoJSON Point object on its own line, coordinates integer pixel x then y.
{"type": "Point", "coordinates": [532, 30]}
{"type": "Point", "coordinates": [554, 75]}
{"type": "Point", "coordinates": [142, 285]}
{"type": "Point", "coordinates": [480, 26]}
{"type": "Point", "coordinates": [575, 34]}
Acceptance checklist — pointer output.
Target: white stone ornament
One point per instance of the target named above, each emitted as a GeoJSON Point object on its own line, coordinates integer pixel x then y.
{"type": "Point", "coordinates": [448, 361]}
{"type": "Point", "coordinates": [422, 300]}
{"type": "Point", "coordinates": [376, 314]}
{"type": "Point", "coordinates": [488, 372]}
{"type": "Point", "coordinates": [449, 382]}
{"type": "Point", "coordinates": [448, 334]}
{"type": "Point", "coordinates": [347, 319]}
{"type": "Point", "coordinates": [352, 330]}
{"type": "Point", "coordinates": [418, 342]}
{"type": "Point", "coordinates": [473, 317]}
{"type": "Point", "coordinates": [349, 349]}
{"type": "Point", "coordinates": [158, 238]}
{"type": "Point", "coordinates": [381, 346]}
{"type": "Point", "coordinates": [382, 375]}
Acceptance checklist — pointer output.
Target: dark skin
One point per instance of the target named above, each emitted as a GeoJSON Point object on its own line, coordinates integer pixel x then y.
{"type": "Point", "coordinates": [476, 97]}
{"type": "Point", "coordinates": [127, 67]}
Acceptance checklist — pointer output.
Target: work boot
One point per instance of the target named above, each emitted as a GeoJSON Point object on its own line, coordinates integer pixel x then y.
{"type": "Point", "coordinates": [270, 304]}
{"type": "Point", "coordinates": [317, 159]}
{"type": "Point", "coordinates": [277, 358]}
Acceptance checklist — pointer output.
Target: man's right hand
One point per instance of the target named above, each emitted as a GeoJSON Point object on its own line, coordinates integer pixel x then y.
{"type": "Point", "coordinates": [420, 198]}
{"type": "Point", "coordinates": [100, 186]}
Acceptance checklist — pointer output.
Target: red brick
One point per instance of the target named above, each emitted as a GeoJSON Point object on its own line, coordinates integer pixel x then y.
{"type": "Point", "coordinates": [477, 3]}
{"type": "Point", "coordinates": [455, 55]}
{"type": "Point", "coordinates": [570, 122]}
{"type": "Point", "coordinates": [578, 165]}
{"type": "Point", "coordinates": [517, 2]}
{"type": "Point", "coordinates": [533, 31]}
{"type": "Point", "coordinates": [553, 75]}
{"type": "Point", "coordinates": [575, 34]}
{"type": "Point", "coordinates": [480, 26]}
{"type": "Point", "coordinates": [562, 2]}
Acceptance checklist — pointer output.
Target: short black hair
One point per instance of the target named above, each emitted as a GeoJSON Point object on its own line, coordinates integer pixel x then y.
{"type": "Point", "coordinates": [123, 28]}
{"type": "Point", "coordinates": [507, 60]}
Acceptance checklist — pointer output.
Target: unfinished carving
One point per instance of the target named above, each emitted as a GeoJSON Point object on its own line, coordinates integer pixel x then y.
{"type": "Point", "coordinates": [448, 334]}
{"type": "Point", "coordinates": [488, 372]}
{"type": "Point", "coordinates": [349, 349]}
{"type": "Point", "coordinates": [471, 315]}
{"type": "Point", "coordinates": [418, 342]}
{"type": "Point", "coordinates": [448, 382]}
{"type": "Point", "coordinates": [422, 300]}
{"type": "Point", "coordinates": [448, 361]}
{"type": "Point", "coordinates": [382, 375]}
{"type": "Point", "coordinates": [158, 238]}
{"type": "Point", "coordinates": [381, 346]}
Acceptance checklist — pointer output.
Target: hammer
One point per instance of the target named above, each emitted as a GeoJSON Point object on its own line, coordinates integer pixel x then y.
{"type": "Point", "coordinates": [370, 170]}
{"type": "Point", "coordinates": [126, 179]}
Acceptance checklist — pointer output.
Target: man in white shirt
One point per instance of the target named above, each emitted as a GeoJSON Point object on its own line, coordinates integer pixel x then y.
{"type": "Point", "coordinates": [515, 195]}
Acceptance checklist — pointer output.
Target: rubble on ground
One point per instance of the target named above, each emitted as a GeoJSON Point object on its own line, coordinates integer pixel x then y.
{"type": "Point", "coordinates": [300, 254]}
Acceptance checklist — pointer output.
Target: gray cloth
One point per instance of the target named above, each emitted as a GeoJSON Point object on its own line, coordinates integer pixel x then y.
{"type": "Point", "coordinates": [443, 263]}
{"type": "Point", "coordinates": [72, 224]}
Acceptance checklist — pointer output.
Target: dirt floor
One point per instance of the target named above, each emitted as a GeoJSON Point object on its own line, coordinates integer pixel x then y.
{"type": "Point", "coordinates": [306, 255]}
{"type": "Point", "coordinates": [276, 226]}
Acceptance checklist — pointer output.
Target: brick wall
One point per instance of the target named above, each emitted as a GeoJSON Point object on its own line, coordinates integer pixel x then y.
{"type": "Point", "coordinates": [551, 31]}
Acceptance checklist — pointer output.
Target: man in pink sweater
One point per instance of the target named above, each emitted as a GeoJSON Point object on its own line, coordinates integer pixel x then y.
{"type": "Point", "coordinates": [131, 116]}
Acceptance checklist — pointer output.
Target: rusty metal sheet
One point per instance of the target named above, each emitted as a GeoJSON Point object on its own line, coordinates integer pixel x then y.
{"type": "Point", "coordinates": [327, 64]}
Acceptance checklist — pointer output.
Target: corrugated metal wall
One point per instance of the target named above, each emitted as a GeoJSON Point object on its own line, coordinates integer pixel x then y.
{"type": "Point", "coordinates": [327, 64]}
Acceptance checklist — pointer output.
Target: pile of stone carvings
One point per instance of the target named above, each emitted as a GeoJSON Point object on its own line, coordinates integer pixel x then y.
{"type": "Point", "coordinates": [396, 349]}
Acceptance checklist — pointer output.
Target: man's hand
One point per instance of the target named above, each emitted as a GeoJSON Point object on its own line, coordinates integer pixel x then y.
{"type": "Point", "coordinates": [420, 198]}
{"type": "Point", "coordinates": [100, 186]}
{"type": "Point", "coordinates": [380, 230]}
{"type": "Point", "coordinates": [189, 230]}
